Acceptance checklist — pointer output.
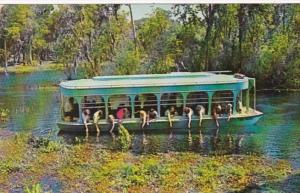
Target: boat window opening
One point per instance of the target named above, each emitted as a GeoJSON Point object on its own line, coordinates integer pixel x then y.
{"type": "Point", "coordinates": [70, 109]}
{"type": "Point", "coordinates": [171, 99]}
{"type": "Point", "coordinates": [93, 104]}
{"type": "Point", "coordinates": [145, 102]}
{"type": "Point", "coordinates": [222, 98]}
{"type": "Point", "coordinates": [197, 98]}
{"type": "Point", "coordinates": [241, 101]}
{"type": "Point", "coordinates": [117, 102]}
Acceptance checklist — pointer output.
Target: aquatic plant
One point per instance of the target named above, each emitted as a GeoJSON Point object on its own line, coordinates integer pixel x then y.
{"type": "Point", "coordinates": [124, 138]}
{"type": "Point", "coordinates": [45, 144]}
{"type": "Point", "coordinates": [86, 167]}
{"type": "Point", "coordinates": [36, 188]}
{"type": "Point", "coordinates": [4, 114]}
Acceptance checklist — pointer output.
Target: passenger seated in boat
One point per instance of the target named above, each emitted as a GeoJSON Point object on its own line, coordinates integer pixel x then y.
{"type": "Point", "coordinates": [188, 112]}
{"type": "Point", "coordinates": [69, 109]}
{"type": "Point", "coordinates": [111, 119]}
{"type": "Point", "coordinates": [92, 106]}
{"type": "Point", "coordinates": [201, 112]}
{"type": "Point", "coordinates": [152, 114]}
{"type": "Point", "coordinates": [216, 110]}
{"type": "Point", "coordinates": [86, 118]}
{"type": "Point", "coordinates": [96, 118]}
{"type": "Point", "coordinates": [239, 107]}
{"type": "Point", "coordinates": [143, 116]}
{"type": "Point", "coordinates": [122, 113]}
{"type": "Point", "coordinates": [229, 111]}
{"type": "Point", "coordinates": [85, 102]}
{"type": "Point", "coordinates": [170, 113]}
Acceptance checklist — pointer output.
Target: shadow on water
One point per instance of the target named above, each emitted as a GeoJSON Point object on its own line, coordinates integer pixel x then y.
{"type": "Point", "coordinates": [166, 140]}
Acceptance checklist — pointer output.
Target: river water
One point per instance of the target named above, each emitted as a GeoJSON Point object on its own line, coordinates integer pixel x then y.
{"type": "Point", "coordinates": [34, 107]}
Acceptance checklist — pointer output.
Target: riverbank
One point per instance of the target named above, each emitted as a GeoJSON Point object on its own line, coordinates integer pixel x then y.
{"type": "Point", "coordinates": [21, 69]}
{"type": "Point", "coordinates": [84, 167]}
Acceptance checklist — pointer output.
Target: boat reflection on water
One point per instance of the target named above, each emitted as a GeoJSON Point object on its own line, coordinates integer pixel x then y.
{"type": "Point", "coordinates": [166, 140]}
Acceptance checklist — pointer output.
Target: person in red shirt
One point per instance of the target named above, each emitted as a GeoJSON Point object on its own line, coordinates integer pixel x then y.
{"type": "Point", "coordinates": [121, 114]}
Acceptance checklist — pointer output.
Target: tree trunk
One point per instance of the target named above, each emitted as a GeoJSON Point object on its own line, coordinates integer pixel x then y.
{"type": "Point", "coordinates": [30, 54]}
{"type": "Point", "coordinates": [209, 22]}
{"type": "Point", "coordinates": [133, 28]}
{"type": "Point", "coordinates": [241, 18]}
{"type": "Point", "coordinates": [5, 56]}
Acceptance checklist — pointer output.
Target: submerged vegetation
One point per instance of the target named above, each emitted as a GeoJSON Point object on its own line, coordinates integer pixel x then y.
{"type": "Point", "coordinates": [4, 114]}
{"type": "Point", "coordinates": [260, 40]}
{"type": "Point", "coordinates": [87, 167]}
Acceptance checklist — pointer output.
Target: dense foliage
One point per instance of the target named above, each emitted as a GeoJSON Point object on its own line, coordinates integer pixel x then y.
{"type": "Point", "coordinates": [41, 165]}
{"type": "Point", "coordinates": [258, 40]}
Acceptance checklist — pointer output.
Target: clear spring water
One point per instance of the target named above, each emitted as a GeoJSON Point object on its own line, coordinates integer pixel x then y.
{"type": "Point", "coordinates": [34, 107]}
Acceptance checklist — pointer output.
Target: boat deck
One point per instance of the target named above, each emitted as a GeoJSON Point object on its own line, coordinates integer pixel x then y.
{"type": "Point", "coordinates": [179, 122]}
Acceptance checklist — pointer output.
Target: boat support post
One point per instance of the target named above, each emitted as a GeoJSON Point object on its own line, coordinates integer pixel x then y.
{"type": "Point", "coordinates": [235, 94]}
{"type": "Point", "coordinates": [247, 100]}
{"type": "Point", "coordinates": [132, 97]}
{"type": "Point", "coordinates": [184, 95]}
{"type": "Point", "coordinates": [79, 101]}
{"type": "Point", "coordinates": [210, 94]}
{"type": "Point", "coordinates": [158, 97]}
{"type": "Point", "coordinates": [105, 98]}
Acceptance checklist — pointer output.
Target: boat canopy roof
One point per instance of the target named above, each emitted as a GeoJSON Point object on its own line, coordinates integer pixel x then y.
{"type": "Point", "coordinates": [153, 80]}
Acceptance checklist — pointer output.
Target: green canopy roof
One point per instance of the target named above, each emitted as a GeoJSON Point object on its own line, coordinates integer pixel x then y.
{"type": "Point", "coordinates": [145, 80]}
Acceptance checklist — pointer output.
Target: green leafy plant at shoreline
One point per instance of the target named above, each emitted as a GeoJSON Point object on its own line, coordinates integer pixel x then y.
{"type": "Point", "coordinates": [36, 188]}
{"type": "Point", "coordinates": [86, 167]}
{"type": "Point", "coordinates": [4, 114]}
{"type": "Point", "coordinates": [124, 138]}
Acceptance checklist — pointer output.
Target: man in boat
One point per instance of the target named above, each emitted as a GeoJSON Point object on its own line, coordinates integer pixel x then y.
{"type": "Point", "coordinates": [188, 112]}
{"type": "Point", "coordinates": [111, 119]}
{"type": "Point", "coordinates": [229, 111]}
{"type": "Point", "coordinates": [69, 109]}
{"type": "Point", "coordinates": [170, 113]}
{"type": "Point", "coordinates": [239, 107]}
{"type": "Point", "coordinates": [216, 110]}
{"type": "Point", "coordinates": [143, 116]}
{"type": "Point", "coordinates": [86, 117]}
{"type": "Point", "coordinates": [86, 102]}
{"type": "Point", "coordinates": [201, 111]}
{"type": "Point", "coordinates": [96, 118]}
{"type": "Point", "coordinates": [152, 114]}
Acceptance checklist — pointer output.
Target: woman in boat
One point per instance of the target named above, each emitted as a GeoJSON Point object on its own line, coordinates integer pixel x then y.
{"type": "Point", "coordinates": [86, 118]}
{"type": "Point", "coordinates": [152, 114]}
{"type": "Point", "coordinates": [170, 113]}
{"type": "Point", "coordinates": [201, 111]}
{"type": "Point", "coordinates": [188, 112]}
{"type": "Point", "coordinates": [96, 117]}
{"type": "Point", "coordinates": [122, 113]}
{"type": "Point", "coordinates": [229, 111]}
{"type": "Point", "coordinates": [216, 110]}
